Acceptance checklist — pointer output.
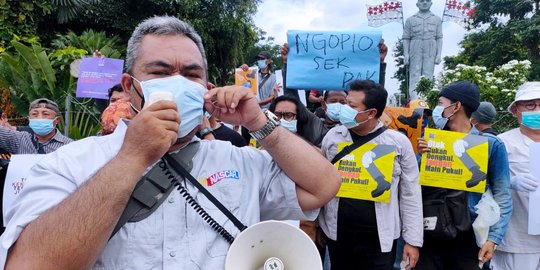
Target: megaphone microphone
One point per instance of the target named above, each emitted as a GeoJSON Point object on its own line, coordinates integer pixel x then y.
{"type": "Point", "coordinates": [273, 245]}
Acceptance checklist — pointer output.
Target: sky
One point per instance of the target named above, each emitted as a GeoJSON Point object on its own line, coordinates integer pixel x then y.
{"type": "Point", "coordinates": [275, 17]}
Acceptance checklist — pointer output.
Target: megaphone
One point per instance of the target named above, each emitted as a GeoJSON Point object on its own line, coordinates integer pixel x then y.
{"type": "Point", "coordinates": [273, 245]}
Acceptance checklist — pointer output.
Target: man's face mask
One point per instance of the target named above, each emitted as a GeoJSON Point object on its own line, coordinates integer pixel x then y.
{"type": "Point", "coordinates": [188, 95]}
{"type": "Point", "coordinates": [531, 119]}
{"type": "Point", "coordinates": [347, 117]}
{"type": "Point", "coordinates": [261, 63]}
{"type": "Point", "coordinates": [41, 127]}
{"type": "Point", "coordinates": [289, 124]}
{"type": "Point", "coordinates": [438, 118]}
{"type": "Point", "coordinates": [333, 110]}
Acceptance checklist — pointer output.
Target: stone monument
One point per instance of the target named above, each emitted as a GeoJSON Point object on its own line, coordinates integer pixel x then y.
{"type": "Point", "coordinates": [422, 44]}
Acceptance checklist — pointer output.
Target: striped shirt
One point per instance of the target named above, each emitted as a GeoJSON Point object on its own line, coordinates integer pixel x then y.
{"type": "Point", "coordinates": [21, 142]}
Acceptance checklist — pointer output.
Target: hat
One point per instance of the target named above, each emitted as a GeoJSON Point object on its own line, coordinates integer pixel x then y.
{"type": "Point", "coordinates": [527, 91]}
{"type": "Point", "coordinates": [463, 91]}
{"type": "Point", "coordinates": [45, 103]}
{"type": "Point", "coordinates": [485, 113]}
{"type": "Point", "coordinates": [265, 55]}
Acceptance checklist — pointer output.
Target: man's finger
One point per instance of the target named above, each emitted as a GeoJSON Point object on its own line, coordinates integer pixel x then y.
{"type": "Point", "coordinates": [167, 115]}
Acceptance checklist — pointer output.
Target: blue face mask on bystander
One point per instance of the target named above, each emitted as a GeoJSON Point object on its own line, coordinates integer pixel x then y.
{"type": "Point", "coordinates": [41, 127]}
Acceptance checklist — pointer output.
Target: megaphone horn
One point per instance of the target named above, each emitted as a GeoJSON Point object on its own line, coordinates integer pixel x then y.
{"type": "Point", "coordinates": [273, 245]}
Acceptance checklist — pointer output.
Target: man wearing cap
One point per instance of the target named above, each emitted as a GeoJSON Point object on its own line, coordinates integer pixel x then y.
{"type": "Point", "coordinates": [457, 102]}
{"type": "Point", "coordinates": [520, 250]}
{"type": "Point", "coordinates": [268, 87]}
{"type": "Point", "coordinates": [43, 116]}
{"type": "Point", "coordinates": [482, 118]}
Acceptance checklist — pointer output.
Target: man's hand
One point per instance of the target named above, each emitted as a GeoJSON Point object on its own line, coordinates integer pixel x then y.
{"type": "Point", "coordinates": [486, 252]}
{"type": "Point", "coordinates": [235, 105]}
{"type": "Point", "coordinates": [422, 146]}
{"type": "Point", "coordinates": [244, 67]}
{"type": "Point", "coordinates": [284, 52]}
{"type": "Point", "coordinates": [383, 50]}
{"type": "Point", "coordinates": [4, 122]}
{"type": "Point", "coordinates": [438, 60]}
{"type": "Point", "coordinates": [410, 256]}
{"type": "Point", "coordinates": [151, 133]}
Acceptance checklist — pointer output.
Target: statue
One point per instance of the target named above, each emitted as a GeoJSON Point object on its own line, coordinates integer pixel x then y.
{"type": "Point", "coordinates": [422, 44]}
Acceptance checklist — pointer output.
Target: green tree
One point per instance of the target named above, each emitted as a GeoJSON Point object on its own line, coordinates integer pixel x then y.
{"type": "Point", "coordinates": [517, 38]}
{"type": "Point", "coordinates": [20, 19]}
{"type": "Point", "coordinates": [91, 41]}
{"type": "Point", "coordinates": [401, 74]}
{"type": "Point", "coordinates": [226, 27]}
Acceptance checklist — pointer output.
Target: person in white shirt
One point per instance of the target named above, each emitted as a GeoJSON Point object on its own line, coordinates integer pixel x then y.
{"type": "Point", "coordinates": [73, 199]}
{"type": "Point", "coordinates": [362, 234]}
{"type": "Point", "coordinates": [520, 250]}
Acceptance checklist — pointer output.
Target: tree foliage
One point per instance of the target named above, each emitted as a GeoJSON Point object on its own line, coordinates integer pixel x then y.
{"type": "Point", "coordinates": [513, 34]}
{"type": "Point", "coordinates": [401, 74]}
{"type": "Point", "coordinates": [20, 19]}
{"type": "Point", "coordinates": [226, 27]}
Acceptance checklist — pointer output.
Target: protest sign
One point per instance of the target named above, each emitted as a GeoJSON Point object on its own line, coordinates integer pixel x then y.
{"type": "Point", "coordinates": [330, 60]}
{"type": "Point", "coordinates": [18, 169]}
{"type": "Point", "coordinates": [405, 120]}
{"type": "Point", "coordinates": [248, 79]}
{"type": "Point", "coordinates": [455, 161]}
{"type": "Point", "coordinates": [366, 173]}
{"type": "Point", "coordinates": [97, 75]}
{"type": "Point", "coordinates": [534, 196]}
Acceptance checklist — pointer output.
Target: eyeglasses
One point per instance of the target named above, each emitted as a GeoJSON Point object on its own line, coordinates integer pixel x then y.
{"type": "Point", "coordinates": [286, 115]}
{"type": "Point", "coordinates": [529, 105]}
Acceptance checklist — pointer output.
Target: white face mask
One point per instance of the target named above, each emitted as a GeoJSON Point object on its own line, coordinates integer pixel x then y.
{"type": "Point", "coordinates": [290, 125]}
{"type": "Point", "coordinates": [188, 95]}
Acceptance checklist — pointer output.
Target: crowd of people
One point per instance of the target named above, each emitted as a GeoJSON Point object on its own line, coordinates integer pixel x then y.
{"type": "Point", "coordinates": [108, 201]}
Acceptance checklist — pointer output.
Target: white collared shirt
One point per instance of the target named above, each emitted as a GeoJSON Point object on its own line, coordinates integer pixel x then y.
{"type": "Point", "coordinates": [247, 181]}
{"type": "Point", "coordinates": [405, 192]}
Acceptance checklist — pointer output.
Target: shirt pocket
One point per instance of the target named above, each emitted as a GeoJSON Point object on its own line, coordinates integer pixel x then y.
{"type": "Point", "coordinates": [417, 29]}
{"type": "Point", "coordinates": [229, 193]}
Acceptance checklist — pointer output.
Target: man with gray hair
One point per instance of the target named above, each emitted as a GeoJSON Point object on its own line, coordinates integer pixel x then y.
{"type": "Point", "coordinates": [422, 44]}
{"type": "Point", "coordinates": [70, 212]}
{"type": "Point", "coordinates": [482, 118]}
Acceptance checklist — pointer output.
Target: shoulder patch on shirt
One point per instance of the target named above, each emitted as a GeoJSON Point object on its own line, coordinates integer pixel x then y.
{"type": "Point", "coordinates": [218, 176]}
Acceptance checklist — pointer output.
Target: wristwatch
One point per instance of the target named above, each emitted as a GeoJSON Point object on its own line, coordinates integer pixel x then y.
{"type": "Point", "coordinates": [273, 122]}
{"type": "Point", "coordinates": [205, 131]}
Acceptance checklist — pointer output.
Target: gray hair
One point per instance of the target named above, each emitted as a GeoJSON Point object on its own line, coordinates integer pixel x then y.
{"type": "Point", "coordinates": [161, 26]}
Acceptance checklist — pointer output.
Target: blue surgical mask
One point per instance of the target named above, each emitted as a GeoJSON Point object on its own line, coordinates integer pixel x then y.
{"type": "Point", "coordinates": [261, 64]}
{"type": "Point", "coordinates": [290, 125]}
{"type": "Point", "coordinates": [347, 117]}
{"type": "Point", "coordinates": [438, 118]}
{"type": "Point", "coordinates": [531, 119]}
{"type": "Point", "coordinates": [188, 95]}
{"type": "Point", "coordinates": [41, 127]}
{"type": "Point", "coordinates": [333, 111]}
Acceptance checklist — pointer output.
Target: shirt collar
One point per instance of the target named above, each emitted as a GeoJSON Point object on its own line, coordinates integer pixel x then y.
{"type": "Point", "coordinates": [344, 131]}
{"type": "Point", "coordinates": [57, 137]}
